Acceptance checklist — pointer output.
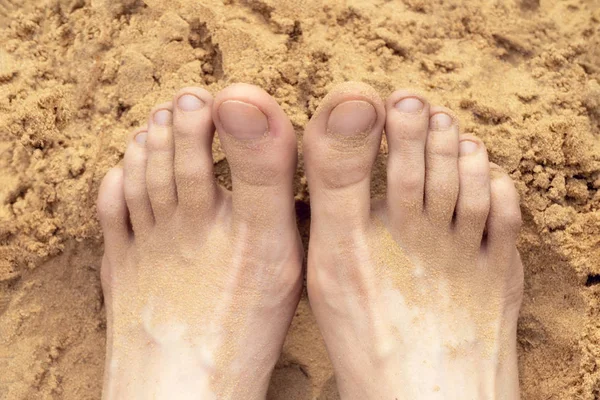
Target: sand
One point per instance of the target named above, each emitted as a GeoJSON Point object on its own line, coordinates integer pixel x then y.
{"type": "Point", "coordinates": [77, 75]}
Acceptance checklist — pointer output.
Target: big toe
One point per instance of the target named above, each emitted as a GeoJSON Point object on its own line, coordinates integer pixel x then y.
{"type": "Point", "coordinates": [341, 142]}
{"type": "Point", "coordinates": [260, 144]}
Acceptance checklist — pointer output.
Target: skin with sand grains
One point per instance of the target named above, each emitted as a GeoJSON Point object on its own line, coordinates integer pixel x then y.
{"type": "Point", "coordinates": [201, 290]}
{"type": "Point", "coordinates": [77, 76]}
{"type": "Point", "coordinates": [412, 298]}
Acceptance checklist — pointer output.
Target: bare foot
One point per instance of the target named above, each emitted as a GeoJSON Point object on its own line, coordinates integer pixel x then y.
{"type": "Point", "coordinates": [418, 295]}
{"type": "Point", "coordinates": [200, 283]}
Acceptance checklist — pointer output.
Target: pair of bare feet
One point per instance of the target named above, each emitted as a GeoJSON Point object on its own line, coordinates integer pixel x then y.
{"type": "Point", "coordinates": [417, 296]}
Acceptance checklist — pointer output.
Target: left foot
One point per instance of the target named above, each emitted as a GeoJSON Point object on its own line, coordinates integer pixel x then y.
{"type": "Point", "coordinates": [201, 283]}
{"type": "Point", "coordinates": [417, 296]}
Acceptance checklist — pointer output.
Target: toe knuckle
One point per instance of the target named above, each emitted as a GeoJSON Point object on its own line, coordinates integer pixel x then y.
{"type": "Point", "coordinates": [107, 276]}
{"type": "Point", "coordinates": [159, 141]}
{"type": "Point", "coordinates": [110, 193]}
{"type": "Point", "coordinates": [134, 193]}
{"type": "Point", "coordinates": [479, 208]}
{"type": "Point", "coordinates": [412, 187]}
{"type": "Point", "coordinates": [158, 181]}
{"type": "Point", "coordinates": [134, 160]}
{"type": "Point", "coordinates": [442, 150]}
{"type": "Point", "coordinates": [473, 210]}
{"type": "Point", "coordinates": [475, 168]}
{"type": "Point", "coordinates": [192, 172]}
{"type": "Point", "coordinates": [105, 209]}
{"type": "Point", "coordinates": [506, 200]}
{"type": "Point", "coordinates": [514, 219]}
{"type": "Point", "coordinates": [510, 220]}
{"type": "Point", "coordinates": [411, 180]}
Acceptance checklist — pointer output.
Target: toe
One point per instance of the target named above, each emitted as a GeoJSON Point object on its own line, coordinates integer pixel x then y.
{"type": "Point", "coordinates": [193, 132]}
{"type": "Point", "coordinates": [136, 193]}
{"type": "Point", "coordinates": [160, 176]}
{"type": "Point", "coordinates": [441, 166]}
{"type": "Point", "coordinates": [112, 211]}
{"type": "Point", "coordinates": [473, 204]}
{"type": "Point", "coordinates": [260, 144]}
{"type": "Point", "coordinates": [406, 127]}
{"type": "Point", "coordinates": [341, 142]}
{"type": "Point", "coordinates": [504, 220]}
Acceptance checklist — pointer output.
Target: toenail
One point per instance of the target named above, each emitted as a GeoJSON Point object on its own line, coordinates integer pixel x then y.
{"type": "Point", "coordinates": [243, 120]}
{"type": "Point", "coordinates": [352, 117]}
{"type": "Point", "coordinates": [410, 105]}
{"type": "Point", "coordinates": [441, 121]}
{"type": "Point", "coordinates": [141, 137]}
{"type": "Point", "coordinates": [162, 117]}
{"type": "Point", "coordinates": [189, 102]}
{"type": "Point", "coordinates": [468, 147]}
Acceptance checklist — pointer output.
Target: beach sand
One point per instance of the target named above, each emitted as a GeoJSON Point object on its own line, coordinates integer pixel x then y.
{"type": "Point", "coordinates": [77, 75]}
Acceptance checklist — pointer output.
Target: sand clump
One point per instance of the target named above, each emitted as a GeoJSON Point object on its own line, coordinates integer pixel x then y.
{"type": "Point", "coordinates": [76, 76]}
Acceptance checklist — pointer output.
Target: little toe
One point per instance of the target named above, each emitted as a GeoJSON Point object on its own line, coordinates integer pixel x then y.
{"type": "Point", "coordinates": [112, 212]}
{"type": "Point", "coordinates": [473, 204]}
{"type": "Point", "coordinates": [160, 176]}
{"type": "Point", "coordinates": [441, 166]}
{"type": "Point", "coordinates": [406, 128]}
{"type": "Point", "coordinates": [341, 143]}
{"type": "Point", "coordinates": [260, 145]}
{"type": "Point", "coordinates": [504, 220]}
{"type": "Point", "coordinates": [193, 131]}
{"type": "Point", "coordinates": [136, 192]}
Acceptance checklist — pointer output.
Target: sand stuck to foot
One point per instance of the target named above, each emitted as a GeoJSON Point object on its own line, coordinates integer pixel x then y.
{"type": "Point", "coordinates": [77, 75]}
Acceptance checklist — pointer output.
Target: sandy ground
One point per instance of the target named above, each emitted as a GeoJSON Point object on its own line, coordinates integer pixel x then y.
{"type": "Point", "coordinates": [77, 75]}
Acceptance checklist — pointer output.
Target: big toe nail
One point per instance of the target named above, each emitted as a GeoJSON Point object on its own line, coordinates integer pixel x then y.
{"type": "Point", "coordinates": [243, 120]}
{"type": "Point", "coordinates": [352, 118]}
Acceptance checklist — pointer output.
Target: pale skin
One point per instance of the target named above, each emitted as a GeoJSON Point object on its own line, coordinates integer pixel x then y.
{"type": "Point", "coordinates": [417, 295]}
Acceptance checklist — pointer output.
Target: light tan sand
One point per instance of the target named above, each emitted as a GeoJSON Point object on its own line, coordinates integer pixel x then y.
{"type": "Point", "coordinates": [77, 75]}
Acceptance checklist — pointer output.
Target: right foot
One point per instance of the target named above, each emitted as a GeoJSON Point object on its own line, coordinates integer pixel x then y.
{"type": "Point", "coordinates": [417, 296]}
{"type": "Point", "coordinates": [201, 283]}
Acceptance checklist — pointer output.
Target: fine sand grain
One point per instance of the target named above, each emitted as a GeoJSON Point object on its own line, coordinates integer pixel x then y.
{"type": "Point", "coordinates": [77, 75]}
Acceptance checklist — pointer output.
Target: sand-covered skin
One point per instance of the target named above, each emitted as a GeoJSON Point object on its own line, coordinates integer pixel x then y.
{"type": "Point", "coordinates": [77, 75]}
